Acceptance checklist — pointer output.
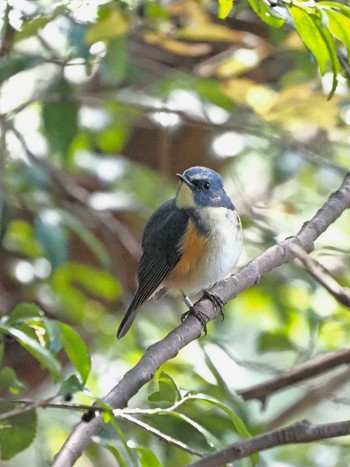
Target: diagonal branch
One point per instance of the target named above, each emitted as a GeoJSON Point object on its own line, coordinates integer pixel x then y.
{"type": "Point", "coordinates": [299, 373]}
{"type": "Point", "coordinates": [301, 432]}
{"type": "Point", "coordinates": [323, 276]}
{"type": "Point", "coordinates": [159, 434]}
{"type": "Point", "coordinates": [190, 329]}
{"type": "Point", "coordinates": [315, 394]}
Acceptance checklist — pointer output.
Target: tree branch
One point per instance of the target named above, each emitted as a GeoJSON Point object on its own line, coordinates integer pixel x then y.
{"type": "Point", "coordinates": [162, 436]}
{"type": "Point", "coordinates": [190, 329]}
{"type": "Point", "coordinates": [299, 373]}
{"type": "Point", "coordinates": [323, 276]}
{"type": "Point", "coordinates": [301, 432]}
{"type": "Point", "coordinates": [315, 394]}
{"type": "Point", "coordinates": [28, 405]}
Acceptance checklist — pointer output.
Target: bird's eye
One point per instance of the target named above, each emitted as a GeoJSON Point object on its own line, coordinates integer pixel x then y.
{"type": "Point", "coordinates": [206, 185]}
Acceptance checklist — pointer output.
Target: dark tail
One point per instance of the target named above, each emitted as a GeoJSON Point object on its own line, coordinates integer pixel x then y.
{"type": "Point", "coordinates": [130, 314]}
{"type": "Point", "coordinates": [126, 323]}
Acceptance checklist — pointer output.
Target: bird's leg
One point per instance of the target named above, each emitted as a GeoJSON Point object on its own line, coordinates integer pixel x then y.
{"type": "Point", "coordinates": [202, 317]}
{"type": "Point", "coordinates": [216, 301]}
{"type": "Point", "coordinates": [188, 302]}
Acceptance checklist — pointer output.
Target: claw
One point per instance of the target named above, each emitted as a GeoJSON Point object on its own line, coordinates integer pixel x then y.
{"type": "Point", "coordinates": [216, 301]}
{"type": "Point", "coordinates": [201, 317]}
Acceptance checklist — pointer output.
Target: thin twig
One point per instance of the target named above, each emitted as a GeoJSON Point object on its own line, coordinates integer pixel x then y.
{"type": "Point", "coordinates": [299, 373]}
{"type": "Point", "coordinates": [301, 432]}
{"type": "Point", "coordinates": [157, 411]}
{"type": "Point", "coordinates": [44, 404]}
{"type": "Point", "coordinates": [159, 434]}
{"type": "Point", "coordinates": [323, 276]}
{"type": "Point", "coordinates": [314, 395]}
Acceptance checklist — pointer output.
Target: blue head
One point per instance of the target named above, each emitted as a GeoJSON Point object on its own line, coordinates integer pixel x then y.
{"type": "Point", "coordinates": [201, 187]}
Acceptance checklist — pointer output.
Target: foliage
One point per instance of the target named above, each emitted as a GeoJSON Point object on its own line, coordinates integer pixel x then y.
{"type": "Point", "coordinates": [99, 108]}
{"type": "Point", "coordinates": [319, 24]}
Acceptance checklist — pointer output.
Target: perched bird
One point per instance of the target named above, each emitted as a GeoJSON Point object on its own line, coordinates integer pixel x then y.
{"type": "Point", "coordinates": [190, 242]}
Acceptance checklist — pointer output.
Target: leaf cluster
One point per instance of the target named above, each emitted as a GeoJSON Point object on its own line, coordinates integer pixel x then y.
{"type": "Point", "coordinates": [97, 114]}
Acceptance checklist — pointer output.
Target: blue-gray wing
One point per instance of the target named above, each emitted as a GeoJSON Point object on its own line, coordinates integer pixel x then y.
{"type": "Point", "coordinates": [161, 237]}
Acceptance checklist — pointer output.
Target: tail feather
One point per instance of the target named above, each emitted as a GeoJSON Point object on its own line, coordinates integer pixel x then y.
{"type": "Point", "coordinates": [130, 315]}
{"type": "Point", "coordinates": [127, 321]}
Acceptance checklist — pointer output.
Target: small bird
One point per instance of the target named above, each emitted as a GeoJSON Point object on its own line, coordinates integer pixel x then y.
{"type": "Point", "coordinates": [189, 244]}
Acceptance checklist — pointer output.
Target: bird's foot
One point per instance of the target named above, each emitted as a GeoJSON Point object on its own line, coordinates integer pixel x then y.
{"type": "Point", "coordinates": [216, 301]}
{"type": "Point", "coordinates": [199, 315]}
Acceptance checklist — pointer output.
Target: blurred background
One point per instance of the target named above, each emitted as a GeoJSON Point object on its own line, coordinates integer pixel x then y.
{"type": "Point", "coordinates": [101, 104]}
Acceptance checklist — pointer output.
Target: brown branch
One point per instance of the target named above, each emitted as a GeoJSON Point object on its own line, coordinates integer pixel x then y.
{"type": "Point", "coordinates": [301, 432]}
{"type": "Point", "coordinates": [299, 373]}
{"type": "Point", "coordinates": [314, 395]}
{"type": "Point", "coordinates": [323, 276]}
{"type": "Point", "coordinates": [28, 405]}
{"type": "Point", "coordinates": [190, 329]}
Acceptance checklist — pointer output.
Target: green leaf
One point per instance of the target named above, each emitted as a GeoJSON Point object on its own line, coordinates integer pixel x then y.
{"type": "Point", "coordinates": [225, 7]}
{"type": "Point", "coordinates": [70, 278]}
{"type": "Point", "coordinates": [209, 89]}
{"type": "Point", "coordinates": [52, 237]}
{"type": "Point", "coordinates": [23, 312]}
{"type": "Point", "coordinates": [8, 380]}
{"type": "Point", "coordinates": [211, 440]}
{"type": "Point", "coordinates": [52, 333]}
{"type": "Point", "coordinates": [106, 417]}
{"type": "Point", "coordinates": [147, 457]}
{"type": "Point", "coordinates": [60, 116]}
{"type": "Point", "coordinates": [115, 64]}
{"type": "Point", "coordinates": [238, 423]}
{"type": "Point", "coordinates": [168, 390]}
{"type": "Point", "coordinates": [111, 26]}
{"type": "Point", "coordinates": [266, 14]}
{"type": "Point", "coordinates": [123, 439]}
{"type": "Point", "coordinates": [71, 385]}
{"type": "Point", "coordinates": [44, 356]}
{"type": "Point", "coordinates": [9, 66]}
{"type": "Point", "coordinates": [32, 26]}
{"type": "Point", "coordinates": [76, 350]}
{"type": "Point", "coordinates": [116, 454]}
{"type": "Point", "coordinates": [113, 138]}
{"type": "Point", "coordinates": [156, 11]}
{"type": "Point", "coordinates": [339, 25]}
{"type": "Point", "coordinates": [333, 57]}
{"type": "Point", "coordinates": [273, 342]}
{"type": "Point", "coordinates": [308, 29]}
{"type": "Point", "coordinates": [5, 216]}
{"type": "Point", "coordinates": [317, 38]}
{"type": "Point", "coordinates": [20, 237]}
{"type": "Point", "coordinates": [339, 6]}
{"type": "Point", "coordinates": [17, 433]}
{"type": "Point", "coordinates": [76, 39]}
{"type": "Point", "coordinates": [95, 245]}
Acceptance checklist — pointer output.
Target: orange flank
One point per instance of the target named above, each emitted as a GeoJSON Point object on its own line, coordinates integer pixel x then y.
{"type": "Point", "coordinates": [194, 246]}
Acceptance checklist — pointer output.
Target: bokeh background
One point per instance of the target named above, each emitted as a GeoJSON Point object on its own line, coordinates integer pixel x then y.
{"type": "Point", "coordinates": [101, 104]}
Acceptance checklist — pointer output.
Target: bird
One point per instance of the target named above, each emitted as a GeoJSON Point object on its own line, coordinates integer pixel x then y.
{"type": "Point", "coordinates": [189, 244]}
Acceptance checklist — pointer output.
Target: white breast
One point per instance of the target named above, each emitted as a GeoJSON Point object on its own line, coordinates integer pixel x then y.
{"type": "Point", "coordinates": [224, 250]}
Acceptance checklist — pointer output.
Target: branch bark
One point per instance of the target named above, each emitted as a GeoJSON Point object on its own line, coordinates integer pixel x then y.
{"type": "Point", "coordinates": [190, 329]}
{"type": "Point", "coordinates": [301, 432]}
{"type": "Point", "coordinates": [315, 394]}
{"type": "Point", "coordinates": [323, 276]}
{"type": "Point", "coordinates": [295, 375]}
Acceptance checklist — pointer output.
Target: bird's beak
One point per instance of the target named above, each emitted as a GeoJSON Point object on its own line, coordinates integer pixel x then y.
{"type": "Point", "coordinates": [185, 180]}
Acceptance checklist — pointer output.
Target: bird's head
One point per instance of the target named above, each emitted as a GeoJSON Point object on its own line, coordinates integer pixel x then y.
{"type": "Point", "coordinates": [201, 187]}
